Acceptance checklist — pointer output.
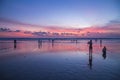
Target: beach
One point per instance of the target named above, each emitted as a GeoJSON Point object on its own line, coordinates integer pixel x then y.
{"type": "Point", "coordinates": [59, 60]}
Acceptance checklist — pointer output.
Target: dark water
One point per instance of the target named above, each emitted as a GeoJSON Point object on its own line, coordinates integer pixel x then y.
{"type": "Point", "coordinates": [60, 60]}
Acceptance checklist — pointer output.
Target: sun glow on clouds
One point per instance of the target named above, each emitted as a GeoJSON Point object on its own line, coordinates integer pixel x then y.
{"type": "Point", "coordinates": [14, 34]}
{"type": "Point", "coordinates": [15, 29]}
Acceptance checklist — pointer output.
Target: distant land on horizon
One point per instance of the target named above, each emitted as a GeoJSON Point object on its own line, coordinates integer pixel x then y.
{"type": "Point", "coordinates": [56, 38]}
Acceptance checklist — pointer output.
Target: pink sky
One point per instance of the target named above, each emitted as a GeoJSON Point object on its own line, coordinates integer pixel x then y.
{"type": "Point", "coordinates": [17, 29]}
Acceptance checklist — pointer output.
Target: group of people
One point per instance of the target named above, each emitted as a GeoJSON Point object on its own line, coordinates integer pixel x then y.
{"type": "Point", "coordinates": [91, 50]}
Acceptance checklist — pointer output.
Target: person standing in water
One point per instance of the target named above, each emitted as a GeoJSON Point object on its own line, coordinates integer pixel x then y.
{"type": "Point", "coordinates": [104, 52]}
{"type": "Point", "coordinates": [100, 43]}
{"type": "Point", "coordinates": [90, 46]}
{"type": "Point", "coordinates": [39, 43]}
{"type": "Point", "coordinates": [90, 53]}
{"type": "Point", "coordinates": [15, 42]}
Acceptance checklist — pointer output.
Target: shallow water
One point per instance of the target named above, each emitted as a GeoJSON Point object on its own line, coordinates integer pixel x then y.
{"type": "Point", "coordinates": [61, 60]}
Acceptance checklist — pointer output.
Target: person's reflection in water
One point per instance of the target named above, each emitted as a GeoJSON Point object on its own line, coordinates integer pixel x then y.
{"type": "Point", "coordinates": [39, 44]}
{"type": "Point", "coordinates": [90, 60]}
{"type": "Point", "coordinates": [100, 43]}
{"type": "Point", "coordinates": [90, 54]}
{"type": "Point", "coordinates": [104, 52]}
{"type": "Point", "coordinates": [15, 44]}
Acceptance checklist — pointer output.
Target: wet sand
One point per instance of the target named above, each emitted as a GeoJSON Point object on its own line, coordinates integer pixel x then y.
{"type": "Point", "coordinates": [61, 60]}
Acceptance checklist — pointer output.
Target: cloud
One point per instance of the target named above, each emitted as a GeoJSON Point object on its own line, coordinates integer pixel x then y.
{"type": "Point", "coordinates": [111, 29]}
{"type": "Point", "coordinates": [17, 30]}
{"type": "Point", "coordinates": [27, 32]}
{"type": "Point", "coordinates": [7, 23]}
{"type": "Point", "coordinates": [115, 22]}
{"type": "Point", "coordinates": [5, 30]}
{"type": "Point", "coordinates": [40, 33]}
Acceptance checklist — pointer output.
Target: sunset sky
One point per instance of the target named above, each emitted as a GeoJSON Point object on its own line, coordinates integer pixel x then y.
{"type": "Point", "coordinates": [60, 18]}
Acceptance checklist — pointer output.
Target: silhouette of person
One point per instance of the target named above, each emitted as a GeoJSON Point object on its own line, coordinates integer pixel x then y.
{"type": "Point", "coordinates": [76, 41]}
{"type": "Point", "coordinates": [90, 53]}
{"type": "Point", "coordinates": [100, 43]}
{"type": "Point", "coordinates": [95, 40]}
{"type": "Point", "coordinates": [52, 42]}
{"type": "Point", "coordinates": [104, 52]}
{"type": "Point", "coordinates": [15, 42]}
{"type": "Point", "coordinates": [39, 43]}
{"type": "Point", "coordinates": [90, 46]}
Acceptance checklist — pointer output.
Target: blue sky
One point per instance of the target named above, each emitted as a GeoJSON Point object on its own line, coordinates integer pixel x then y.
{"type": "Point", "coordinates": [62, 13]}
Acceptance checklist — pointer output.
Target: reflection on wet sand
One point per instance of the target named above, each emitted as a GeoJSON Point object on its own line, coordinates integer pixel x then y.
{"type": "Point", "coordinates": [90, 60]}
{"type": "Point", "coordinates": [59, 46]}
{"type": "Point", "coordinates": [53, 45]}
{"type": "Point", "coordinates": [57, 58]}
